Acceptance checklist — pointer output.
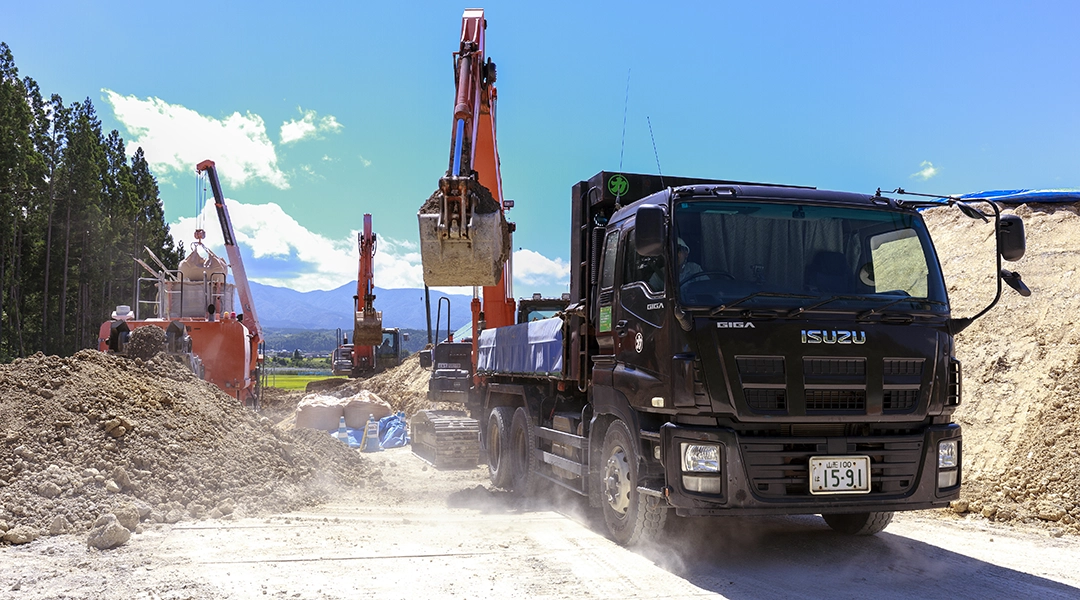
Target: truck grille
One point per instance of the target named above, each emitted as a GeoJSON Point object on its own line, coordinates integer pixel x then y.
{"type": "Point", "coordinates": [830, 400]}
{"type": "Point", "coordinates": [779, 467]}
{"type": "Point", "coordinates": [832, 385]}
{"type": "Point", "coordinates": [900, 400]}
{"type": "Point", "coordinates": [904, 366]}
{"type": "Point", "coordinates": [766, 399]}
{"type": "Point", "coordinates": [854, 367]}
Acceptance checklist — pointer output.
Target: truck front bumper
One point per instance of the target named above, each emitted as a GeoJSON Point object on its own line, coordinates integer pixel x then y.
{"type": "Point", "coordinates": [771, 475]}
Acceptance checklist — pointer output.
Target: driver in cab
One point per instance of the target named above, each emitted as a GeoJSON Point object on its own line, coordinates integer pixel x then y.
{"type": "Point", "coordinates": [686, 268]}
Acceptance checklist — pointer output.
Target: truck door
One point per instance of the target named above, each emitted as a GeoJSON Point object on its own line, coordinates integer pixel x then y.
{"type": "Point", "coordinates": [639, 324]}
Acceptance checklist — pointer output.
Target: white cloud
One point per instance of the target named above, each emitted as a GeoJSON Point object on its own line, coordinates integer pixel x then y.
{"type": "Point", "coordinates": [364, 161]}
{"type": "Point", "coordinates": [309, 125]}
{"type": "Point", "coordinates": [927, 170]}
{"type": "Point", "coordinates": [176, 138]}
{"type": "Point", "coordinates": [532, 269]}
{"type": "Point", "coordinates": [305, 261]}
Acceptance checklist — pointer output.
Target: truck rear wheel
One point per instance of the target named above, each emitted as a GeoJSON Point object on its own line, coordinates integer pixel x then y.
{"type": "Point", "coordinates": [523, 453]}
{"type": "Point", "coordinates": [867, 523]}
{"type": "Point", "coordinates": [631, 517]}
{"type": "Point", "coordinates": [498, 446]}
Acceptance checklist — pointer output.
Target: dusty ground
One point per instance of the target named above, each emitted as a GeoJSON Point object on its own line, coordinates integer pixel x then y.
{"type": "Point", "coordinates": [445, 534]}
{"type": "Point", "coordinates": [215, 488]}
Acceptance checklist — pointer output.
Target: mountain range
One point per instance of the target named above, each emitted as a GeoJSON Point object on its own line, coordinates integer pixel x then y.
{"type": "Point", "coordinates": [331, 309]}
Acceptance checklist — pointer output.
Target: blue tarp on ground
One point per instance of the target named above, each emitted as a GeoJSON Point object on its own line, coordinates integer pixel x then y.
{"type": "Point", "coordinates": [528, 348]}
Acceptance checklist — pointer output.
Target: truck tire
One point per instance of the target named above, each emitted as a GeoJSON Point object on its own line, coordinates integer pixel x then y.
{"type": "Point", "coordinates": [631, 517]}
{"type": "Point", "coordinates": [523, 454]}
{"type": "Point", "coordinates": [497, 439]}
{"type": "Point", "coordinates": [867, 523]}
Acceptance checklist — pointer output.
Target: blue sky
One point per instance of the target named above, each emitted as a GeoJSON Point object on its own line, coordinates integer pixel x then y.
{"type": "Point", "coordinates": [319, 112]}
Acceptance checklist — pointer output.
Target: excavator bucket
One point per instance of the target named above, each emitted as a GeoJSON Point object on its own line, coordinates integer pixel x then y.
{"type": "Point", "coordinates": [367, 329]}
{"type": "Point", "coordinates": [464, 236]}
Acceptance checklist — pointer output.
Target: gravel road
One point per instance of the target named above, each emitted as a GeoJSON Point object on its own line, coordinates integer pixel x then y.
{"type": "Point", "coordinates": [446, 534]}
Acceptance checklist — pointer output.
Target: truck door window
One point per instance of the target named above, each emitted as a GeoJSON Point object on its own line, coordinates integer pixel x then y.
{"type": "Point", "coordinates": [646, 269]}
{"type": "Point", "coordinates": [898, 264]}
{"type": "Point", "coordinates": [611, 248]}
{"type": "Point", "coordinates": [607, 281]}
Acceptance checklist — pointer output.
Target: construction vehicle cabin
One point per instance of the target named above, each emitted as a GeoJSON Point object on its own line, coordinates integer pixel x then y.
{"type": "Point", "coordinates": [194, 305]}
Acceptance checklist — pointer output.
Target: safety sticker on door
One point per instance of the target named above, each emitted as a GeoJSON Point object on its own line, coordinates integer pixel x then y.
{"type": "Point", "coordinates": [605, 319]}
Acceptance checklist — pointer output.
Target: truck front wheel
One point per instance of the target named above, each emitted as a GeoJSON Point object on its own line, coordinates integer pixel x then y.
{"type": "Point", "coordinates": [867, 523]}
{"type": "Point", "coordinates": [498, 446]}
{"type": "Point", "coordinates": [631, 517]}
{"type": "Point", "coordinates": [523, 453]}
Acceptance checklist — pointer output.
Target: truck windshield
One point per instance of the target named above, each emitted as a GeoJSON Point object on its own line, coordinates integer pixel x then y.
{"type": "Point", "coordinates": [785, 255]}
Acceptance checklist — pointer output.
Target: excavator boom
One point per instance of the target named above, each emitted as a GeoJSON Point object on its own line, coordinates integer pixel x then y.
{"type": "Point", "coordinates": [464, 235]}
{"type": "Point", "coordinates": [367, 325]}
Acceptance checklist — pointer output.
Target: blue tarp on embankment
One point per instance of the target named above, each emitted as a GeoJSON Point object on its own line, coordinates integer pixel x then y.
{"type": "Point", "coordinates": [1065, 195]}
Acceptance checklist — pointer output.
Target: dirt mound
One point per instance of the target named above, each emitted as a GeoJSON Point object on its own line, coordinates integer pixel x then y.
{"type": "Point", "coordinates": [403, 387]}
{"type": "Point", "coordinates": [96, 433]}
{"type": "Point", "coordinates": [146, 342]}
{"type": "Point", "coordinates": [1021, 367]}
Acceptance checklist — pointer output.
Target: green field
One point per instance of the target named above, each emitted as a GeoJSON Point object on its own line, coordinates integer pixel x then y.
{"type": "Point", "coordinates": [294, 382]}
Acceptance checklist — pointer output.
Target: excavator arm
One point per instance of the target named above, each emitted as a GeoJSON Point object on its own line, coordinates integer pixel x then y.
{"type": "Point", "coordinates": [367, 325]}
{"type": "Point", "coordinates": [464, 235]}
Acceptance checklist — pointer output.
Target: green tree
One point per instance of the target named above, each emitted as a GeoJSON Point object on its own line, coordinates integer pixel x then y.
{"type": "Point", "coordinates": [73, 212]}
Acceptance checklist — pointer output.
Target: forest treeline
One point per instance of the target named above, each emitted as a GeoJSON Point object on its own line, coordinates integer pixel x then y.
{"type": "Point", "coordinates": [74, 211]}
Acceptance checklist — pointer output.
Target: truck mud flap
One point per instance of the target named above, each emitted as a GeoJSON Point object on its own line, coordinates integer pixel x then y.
{"type": "Point", "coordinates": [448, 439]}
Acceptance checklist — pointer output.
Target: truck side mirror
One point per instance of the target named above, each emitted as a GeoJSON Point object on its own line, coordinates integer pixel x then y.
{"type": "Point", "coordinates": [650, 231]}
{"type": "Point", "coordinates": [1010, 235]}
{"type": "Point", "coordinates": [425, 359]}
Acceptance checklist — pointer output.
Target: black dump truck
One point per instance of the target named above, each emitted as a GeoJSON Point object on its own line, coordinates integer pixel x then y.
{"type": "Point", "coordinates": [736, 349]}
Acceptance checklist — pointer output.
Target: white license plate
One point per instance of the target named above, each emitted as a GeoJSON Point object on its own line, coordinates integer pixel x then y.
{"type": "Point", "coordinates": [839, 474]}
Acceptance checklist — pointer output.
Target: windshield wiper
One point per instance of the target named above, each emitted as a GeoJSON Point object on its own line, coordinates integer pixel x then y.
{"type": "Point", "coordinates": [802, 309]}
{"type": "Point", "coordinates": [876, 310]}
{"type": "Point", "coordinates": [719, 309]}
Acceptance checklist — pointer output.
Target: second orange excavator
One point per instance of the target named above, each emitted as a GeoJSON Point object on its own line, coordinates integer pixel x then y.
{"type": "Point", "coordinates": [373, 348]}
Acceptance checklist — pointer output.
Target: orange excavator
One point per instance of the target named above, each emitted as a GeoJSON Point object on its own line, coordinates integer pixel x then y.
{"type": "Point", "coordinates": [194, 305]}
{"type": "Point", "coordinates": [465, 240]}
{"type": "Point", "coordinates": [464, 234]}
{"type": "Point", "coordinates": [367, 324]}
{"type": "Point", "coordinates": [373, 348]}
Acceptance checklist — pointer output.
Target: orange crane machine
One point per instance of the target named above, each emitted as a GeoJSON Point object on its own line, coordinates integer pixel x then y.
{"type": "Point", "coordinates": [197, 315]}
{"type": "Point", "coordinates": [464, 234]}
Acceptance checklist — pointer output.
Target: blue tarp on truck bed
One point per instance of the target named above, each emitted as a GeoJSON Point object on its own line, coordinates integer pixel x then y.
{"type": "Point", "coordinates": [526, 349]}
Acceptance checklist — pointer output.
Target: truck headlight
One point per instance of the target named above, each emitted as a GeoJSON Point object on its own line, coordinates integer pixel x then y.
{"type": "Point", "coordinates": [700, 458]}
{"type": "Point", "coordinates": [948, 456]}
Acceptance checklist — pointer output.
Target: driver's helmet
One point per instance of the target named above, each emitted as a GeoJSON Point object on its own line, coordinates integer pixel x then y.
{"type": "Point", "coordinates": [683, 246]}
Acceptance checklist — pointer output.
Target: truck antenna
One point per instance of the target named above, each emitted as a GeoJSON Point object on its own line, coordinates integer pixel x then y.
{"type": "Point", "coordinates": [655, 153]}
{"type": "Point", "coordinates": [626, 103]}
